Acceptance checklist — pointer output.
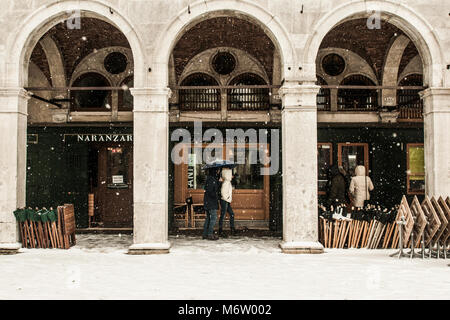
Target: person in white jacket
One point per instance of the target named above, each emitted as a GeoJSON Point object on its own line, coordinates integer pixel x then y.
{"type": "Point", "coordinates": [360, 187]}
{"type": "Point", "coordinates": [226, 192]}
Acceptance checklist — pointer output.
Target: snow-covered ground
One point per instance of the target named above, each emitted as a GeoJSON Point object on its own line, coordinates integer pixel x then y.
{"type": "Point", "coordinates": [234, 268]}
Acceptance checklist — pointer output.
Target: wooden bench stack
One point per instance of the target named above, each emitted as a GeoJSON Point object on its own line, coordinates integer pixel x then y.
{"type": "Point", "coordinates": [47, 228]}
{"type": "Point", "coordinates": [423, 225]}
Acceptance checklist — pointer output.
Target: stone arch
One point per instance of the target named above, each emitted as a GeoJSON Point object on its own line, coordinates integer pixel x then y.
{"type": "Point", "coordinates": [21, 43]}
{"type": "Point", "coordinates": [398, 14]}
{"type": "Point", "coordinates": [199, 11]}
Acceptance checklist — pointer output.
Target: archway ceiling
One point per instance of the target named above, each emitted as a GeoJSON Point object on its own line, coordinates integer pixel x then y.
{"type": "Point", "coordinates": [224, 32]}
{"type": "Point", "coordinates": [371, 44]}
{"type": "Point", "coordinates": [76, 44]}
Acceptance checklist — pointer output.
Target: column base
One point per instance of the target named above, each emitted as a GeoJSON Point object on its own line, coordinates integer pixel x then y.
{"type": "Point", "coordinates": [9, 248]}
{"type": "Point", "coordinates": [149, 248]}
{"type": "Point", "coordinates": [301, 247]}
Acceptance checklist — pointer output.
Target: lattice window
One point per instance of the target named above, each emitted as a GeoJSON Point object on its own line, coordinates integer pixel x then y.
{"type": "Point", "coordinates": [248, 98]}
{"type": "Point", "coordinates": [198, 99]}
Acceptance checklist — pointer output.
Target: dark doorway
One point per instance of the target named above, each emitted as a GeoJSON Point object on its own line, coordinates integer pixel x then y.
{"type": "Point", "coordinates": [111, 182]}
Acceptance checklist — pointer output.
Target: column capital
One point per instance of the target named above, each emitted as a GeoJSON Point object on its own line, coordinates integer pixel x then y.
{"type": "Point", "coordinates": [152, 99]}
{"type": "Point", "coordinates": [436, 100]}
{"type": "Point", "coordinates": [14, 92]}
{"type": "Point", "coordinates": [151, 91]}
{"type": "Point", "coordinates": [296, 97]}
{"type": "Point", "coordinates": [14, 100]}
{"type": "Point", "coordinates": [434, 91]}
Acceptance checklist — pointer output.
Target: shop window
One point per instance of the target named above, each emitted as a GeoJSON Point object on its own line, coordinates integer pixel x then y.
{"type": "Point", "coordinates": [357, 99]}
{"type": "Point", "coordinates": [351, 155]}
{"type": "Point", "coordinates": [92, 100]}
{"type": "Point", "coordinates": [324, 163]}
{"type": "Point", "coordinates": [415, 168]}
{"type": "Point", "coordinates": [246, 175]}
{"type": "Point", "coordinates": [196, 176]}
{"type": "Point", "coordinates": [199, 99]}
{"type": "Point", "coordinates": [248, 98]}
{"type": "Point", "coordinates": [323, 97]}
{"type": "Point", "coordinates": [125, 96]}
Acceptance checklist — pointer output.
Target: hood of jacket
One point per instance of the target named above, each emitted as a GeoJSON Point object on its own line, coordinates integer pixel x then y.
{"type": "Point", "coordinates": [360, 171]}
{"type": "Point", "coordinates": [227, 174]}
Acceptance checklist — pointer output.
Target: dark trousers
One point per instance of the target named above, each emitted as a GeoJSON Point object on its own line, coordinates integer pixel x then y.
{"type": "Point", "coordinates": [210, 221]}
{"type": "Point", "coordinates": [224, 208]}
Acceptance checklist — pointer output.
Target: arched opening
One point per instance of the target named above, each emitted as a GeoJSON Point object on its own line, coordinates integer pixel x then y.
{"type": "Point", "coordinates": [80, 79]}
{"type": "Point", "coordinates": [224, 68]}
{"type": "Point", "coordinates": [370, 103]}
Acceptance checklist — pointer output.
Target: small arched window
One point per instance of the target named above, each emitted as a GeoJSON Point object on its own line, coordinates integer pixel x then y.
{"type": "Point", "coordinates": [199, 98]}
{"type": "Point", "coordinates": [91, 99]}
{"type": "Point", "coordinates": [248, 98]}
{"type": "Point", "coordinates": [408, 100]}
{"type": "Point", "coordinates": [323, 97]}
{"type": "Point", "coordinates": [358, 99]}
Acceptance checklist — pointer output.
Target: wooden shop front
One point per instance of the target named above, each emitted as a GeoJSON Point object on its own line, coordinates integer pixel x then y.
{"type": "Point", "coordinates": [251, 193]}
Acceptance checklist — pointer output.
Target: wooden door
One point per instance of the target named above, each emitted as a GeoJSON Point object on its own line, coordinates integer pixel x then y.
{"type": "Point", "coordinates": [114, 191]}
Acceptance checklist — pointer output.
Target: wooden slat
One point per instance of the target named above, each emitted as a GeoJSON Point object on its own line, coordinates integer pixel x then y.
{"type": "Point", "coordinates": [446, 208]}
{"type": "Point", "coordinates": [420, 220]}
{"type": "Point", "coordinates": [433, 220]}
{"type": "Point", "coordinates": [442, 218]}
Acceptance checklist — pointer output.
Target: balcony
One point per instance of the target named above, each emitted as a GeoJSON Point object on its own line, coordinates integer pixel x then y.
{"type": "Point", "coordinates": [231, 98]}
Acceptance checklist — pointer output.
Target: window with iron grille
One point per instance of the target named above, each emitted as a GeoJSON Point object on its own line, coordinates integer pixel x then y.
{"type": "Point", "coordinates": [199, 99]}
{"type": "Point", "coordinates": [248, 98]}
{"type": "Point", "coordinates": [408, 101]}
{"type": "Point", "coordinates": [357, 99]}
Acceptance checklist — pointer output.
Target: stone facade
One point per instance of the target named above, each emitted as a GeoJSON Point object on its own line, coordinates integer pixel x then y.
{"type": "Point", "coordinates": [152, 28]}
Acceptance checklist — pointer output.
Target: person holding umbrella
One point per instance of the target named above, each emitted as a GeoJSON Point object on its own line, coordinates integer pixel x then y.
{"type": "Point", "coordinates": [226, 193]}
{"type": "Point", "coordinates": [211, 202]}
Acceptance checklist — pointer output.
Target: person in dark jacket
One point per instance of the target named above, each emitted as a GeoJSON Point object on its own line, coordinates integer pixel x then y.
{"type": "Point", "coordinates": [338, 187]}
{"type": "Point", "coordinates": [211, 203]}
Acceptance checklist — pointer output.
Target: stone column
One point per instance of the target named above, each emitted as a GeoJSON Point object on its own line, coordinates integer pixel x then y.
{"type": "Point", "coordinates": [299, 145]}
{"type": "Point", "coordinates": [13, 132]}
{"type": "Point", "coordinates": [151, 130]}
{"type": "Point", "coordinates": [436, 117]}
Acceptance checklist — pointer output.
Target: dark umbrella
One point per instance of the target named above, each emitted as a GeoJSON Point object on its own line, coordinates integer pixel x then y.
{"type": "Point", "coordinates": [219, 164]}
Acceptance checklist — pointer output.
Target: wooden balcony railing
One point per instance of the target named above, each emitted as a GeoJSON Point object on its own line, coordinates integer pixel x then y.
{"type": "Point", "coordinates": [410, 105]}
{"type": "Point", "coordinates": [204, 99]}
{"type": "Point", "coordinates": [232, 98]}
{"type": "Point", "coordinates": [248, 99]}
